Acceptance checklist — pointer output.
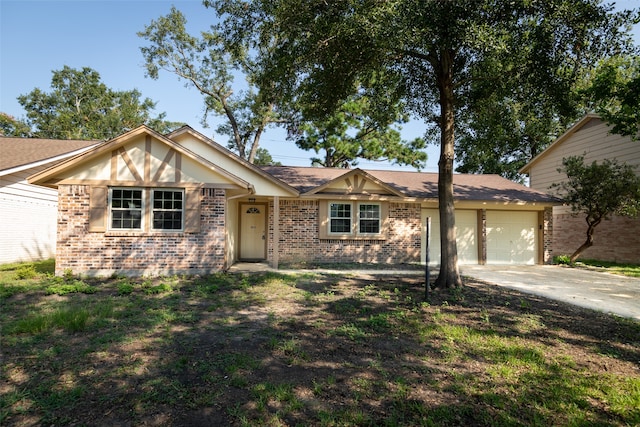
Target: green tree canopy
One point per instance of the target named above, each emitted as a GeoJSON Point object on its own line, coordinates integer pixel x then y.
{"type": "Point", "coordinates": [500, 134]}
{"type": "Point", "coordinates": [264, 158]}
{"type": "Point", "coordinates": [209, 64]}
{"type": "Point", "coordinates": [598, 191]}
{"type": "Point", "coordinates": [81, 106]}
{"type": "Point", "coordinates": [615, 94]}
{"type": "Point", "coordinates": [431, 56]}
{"type": "Point", "coordinates": [10, 126]}
{"type": "Point", "coordinates": [504, 126]}
{"type": "Point", "coordinates": [350, 134]}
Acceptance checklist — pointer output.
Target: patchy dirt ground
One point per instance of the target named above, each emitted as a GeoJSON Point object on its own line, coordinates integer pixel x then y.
{"type": "Point", "coordinates": [271, 349]}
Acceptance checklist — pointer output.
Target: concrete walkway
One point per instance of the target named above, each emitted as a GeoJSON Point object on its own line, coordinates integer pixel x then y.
{"type": "Point", "coordinates": [609, 293]}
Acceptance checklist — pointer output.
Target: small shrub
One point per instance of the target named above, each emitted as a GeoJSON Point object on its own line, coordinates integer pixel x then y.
{"type": "Point", "coordinates": [67, 275]}
{"type": "Point", "coordinates": [125, 289]}
{"type": "Point", "coordinates": [159, 289]}
{"type": "Point", "coordinates": [562, 259]}
{"type": "Point", "coordinates": [75, 286]}
{"type": "Point", "coordinates": [26, 272]}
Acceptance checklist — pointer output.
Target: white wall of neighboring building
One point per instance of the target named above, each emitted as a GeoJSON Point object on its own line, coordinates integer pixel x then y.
{"type": "Point", "coordinates": [28, 217]}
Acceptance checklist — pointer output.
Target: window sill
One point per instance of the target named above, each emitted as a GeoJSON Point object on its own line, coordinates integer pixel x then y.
{"type": "Point", "coordinates": [353, 237]}
{"type": "Point", "coordinates": [112, 233]}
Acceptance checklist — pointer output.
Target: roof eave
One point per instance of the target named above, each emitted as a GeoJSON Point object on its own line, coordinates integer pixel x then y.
{"type": "Point", "coordinates": [579, 124]}
{"type": "Point", "coordinates": [222, 150]}
{"type": "Point", "coordinates": [57, 158]}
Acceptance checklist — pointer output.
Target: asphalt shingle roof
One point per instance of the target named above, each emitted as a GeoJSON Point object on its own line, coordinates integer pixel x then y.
{"type": "Point", "coordinates": [15, 152]}
{"type": "Point", "coordinates": [423, 185]}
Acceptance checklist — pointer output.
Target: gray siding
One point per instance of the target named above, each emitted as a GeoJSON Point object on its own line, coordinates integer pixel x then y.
{"type": "Point", "coordinates": [593, 139]}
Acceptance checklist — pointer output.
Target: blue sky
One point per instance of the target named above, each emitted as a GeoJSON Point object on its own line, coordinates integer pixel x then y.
{"type": "Point", "coordinates": [37, 37]}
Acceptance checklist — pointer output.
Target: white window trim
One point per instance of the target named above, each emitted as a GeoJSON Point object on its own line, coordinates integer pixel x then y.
{"type": "Point", "coordinates": [151, 210]}
{"type": "Point", "coordinates": [146, 219]}
{"type": "Point", "coordinates": [329, 217]}
{"type": "Point", "coordinates": [325, 221]}
{"type": "Point", "coordinates": [362, 233]}
{"type": "Point", "coordinates": [142, 209]}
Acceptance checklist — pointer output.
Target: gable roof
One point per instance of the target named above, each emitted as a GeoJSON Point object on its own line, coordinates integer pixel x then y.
{"type": "Point", "coordinates": [420, 185]}
{"type": "Point", "coordinates": [22, 153]}
{"type": "Point", "coordinates": [173, 140]}
{"type": "Point", "coordinates": [230, 154]}
{"type": "Point", "coordinates": [43, 177]}
{"type": "Point", "coordinates": [351, 174]}
{"type": "Point", "coordinates": [295, 180]}
{"type": "Point", "coordinates": [573, 129]}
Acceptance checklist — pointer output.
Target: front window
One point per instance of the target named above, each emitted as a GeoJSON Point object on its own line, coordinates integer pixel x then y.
{"type": "Point", "coordinates": [369, 220]}
{"type": "Point", "coordinates": [126, 209]}
{"type": "Point", "coordinates": [168, 208]}
{"type": "Point", "coordinates": [353, 220]}
{"type": "Point", "coordinates": [340, 218]}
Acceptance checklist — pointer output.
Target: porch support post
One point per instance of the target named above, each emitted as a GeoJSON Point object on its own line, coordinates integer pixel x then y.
{"type": "Point", "coordinates": [276, 231]}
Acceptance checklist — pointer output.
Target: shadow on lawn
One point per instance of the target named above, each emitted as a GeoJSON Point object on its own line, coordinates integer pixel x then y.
{"type": "Point", "coordinates": [273, 349]}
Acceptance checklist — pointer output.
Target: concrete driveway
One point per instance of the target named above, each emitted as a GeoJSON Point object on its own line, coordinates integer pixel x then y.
{"type": "Point", "coordinates": [609, 293]}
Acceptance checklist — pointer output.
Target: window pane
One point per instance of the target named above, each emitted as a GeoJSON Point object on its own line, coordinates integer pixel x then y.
{"type": "Point", "coordinates": [340, 210]}
{"type": "Point", "coordinates": [369, 226]}
{"type": "Point", "coordinates": [126, 208]}
{"type": "Point", "coordinates": [370, 211]}
{"type": "Point", "coordinates": [369, 219]}
{"type": "Point", "coordinates": [167, 209]}
{"type": "Point", "coordinates": [167, 220]}
{"type": "Point", "coordinates": [341, 225]}
{"type": "Point", "coordinates": [340, 218]}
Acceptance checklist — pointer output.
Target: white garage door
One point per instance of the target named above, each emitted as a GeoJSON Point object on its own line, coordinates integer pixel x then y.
{"type": "Point", "coordinates": [466, 236]}
{"type": "Point", "coordinates": [512, 237]}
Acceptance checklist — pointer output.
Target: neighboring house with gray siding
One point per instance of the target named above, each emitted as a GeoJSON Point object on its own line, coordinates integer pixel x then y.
{"type": "Point", "coordinates": [28, 212]}
{"type": "Point", "coordinates": [616, 239]}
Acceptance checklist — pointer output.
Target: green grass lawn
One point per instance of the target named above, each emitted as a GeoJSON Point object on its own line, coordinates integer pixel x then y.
{"type": "Point", "coordinates": [632, 270]}
{"type": "Point", "coordinates": [305, 350]}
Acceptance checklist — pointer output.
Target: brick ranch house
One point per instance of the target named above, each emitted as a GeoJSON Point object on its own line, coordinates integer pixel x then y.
{"type": "Point", "coordinates": [616, 239]}
{"type": "Point", "coordinates": [145, 203]}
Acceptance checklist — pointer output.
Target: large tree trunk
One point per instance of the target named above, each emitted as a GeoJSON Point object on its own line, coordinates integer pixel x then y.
{"type": "Point", "coordinates": [449, 276]}
{"type": "Point", "coordinates": [591, 226]}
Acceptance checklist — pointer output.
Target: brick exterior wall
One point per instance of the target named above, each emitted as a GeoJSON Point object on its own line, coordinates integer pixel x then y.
{"type": "Point", "coordinates": [616, 239]}
{"type": "Point", "coordinates": [137, 253]}
{"type": "Point", "coordinates": [300, 238]}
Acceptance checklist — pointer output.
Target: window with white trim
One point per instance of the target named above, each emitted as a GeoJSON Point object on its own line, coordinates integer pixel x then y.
{"type": "Point", "coordinates": [167, 209]}
{"type": "Point", "coordinates": [126, 208]}
{"type": "Point", "coordinates": [147, 209]}
{"type": "Point", "coordinates": [340, 218]}
{"type": "Point", "coordinates": [369, 218]}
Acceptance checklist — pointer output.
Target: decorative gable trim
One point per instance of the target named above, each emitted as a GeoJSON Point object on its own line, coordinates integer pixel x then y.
{"type": "Point", "coordinates": [116, 147]}
{"type": "Point", "coordinates": [355, 182]}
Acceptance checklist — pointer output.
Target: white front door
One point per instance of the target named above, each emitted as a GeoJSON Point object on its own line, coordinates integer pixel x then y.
{"type": "Point", "coordinates": [253, 238]}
